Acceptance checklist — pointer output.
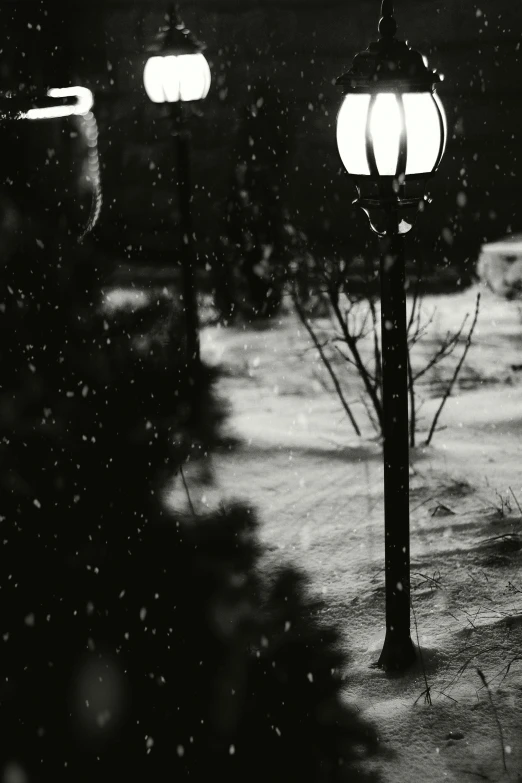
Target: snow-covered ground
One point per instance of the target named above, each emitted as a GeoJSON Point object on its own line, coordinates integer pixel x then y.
{"type": "Point", "coordinates": [318, 489]}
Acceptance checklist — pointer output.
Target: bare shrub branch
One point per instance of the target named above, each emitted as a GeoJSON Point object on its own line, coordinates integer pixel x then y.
{"type": "Point", "coordinates": [357, 328]}
{"type": "Point", "coordinates": [351, 342]}
{"type": "Point", "coordinates": [456, 372]}
{"type": "Point", "coordinates": [445, 349]}
{"type": "Point", "coordinates": [326, 362]}
{"type": "Point", "coordinates": [497, 719]}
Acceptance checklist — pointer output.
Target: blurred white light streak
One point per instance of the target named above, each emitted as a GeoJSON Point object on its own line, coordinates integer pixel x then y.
{"type": "Point", "coordinates": [90, 130]}
{"type": "Point", "coordinates": [84, 102]}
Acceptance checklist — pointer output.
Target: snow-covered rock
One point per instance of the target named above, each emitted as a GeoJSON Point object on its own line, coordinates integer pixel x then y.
{"type": "Point", "coordinates": [500, 266]}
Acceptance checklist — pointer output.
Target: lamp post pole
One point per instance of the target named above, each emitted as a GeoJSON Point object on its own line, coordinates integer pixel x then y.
{"type": "Point", "coordinates": [397, 644]}
{"type": "Point", "coordinates": [190, 304]}
{"type": "Point", "coordinates": [391, 133]}
{"type": "Point", "coordinates": [177, 73]}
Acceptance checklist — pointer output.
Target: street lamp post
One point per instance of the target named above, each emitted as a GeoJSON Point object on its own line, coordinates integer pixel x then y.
{"type": "Point", "coordinates": [178, 73]}
{"type": "Point", "coordinates": [391, 135]}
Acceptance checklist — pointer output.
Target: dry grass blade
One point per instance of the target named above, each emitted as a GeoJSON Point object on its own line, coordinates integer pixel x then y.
{"type": "Point", "coordinates": [427, 691]}
{"type": "Point", "coordinates": [516, 500]}
{"type": "Point", "coordinates": [497, 720]}
{"type": "Point", "coordinates": [192, 510]}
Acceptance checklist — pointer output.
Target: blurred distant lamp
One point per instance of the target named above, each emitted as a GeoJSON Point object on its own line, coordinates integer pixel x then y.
{"type": "Point", "coordinates": [391, 134]}
{"type": "Point", "coordinates": [177, 77]}
{"type": "Point", "coordinates": [177, 72]}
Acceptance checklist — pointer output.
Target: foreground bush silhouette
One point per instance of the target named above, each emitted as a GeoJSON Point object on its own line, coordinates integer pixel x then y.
{"type": "Point", "coordinates": [136, 643]}
{"type": "Point", "coordinates": [161, 651]}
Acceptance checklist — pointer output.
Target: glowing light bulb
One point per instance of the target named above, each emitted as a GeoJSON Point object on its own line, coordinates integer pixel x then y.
{"type": "Point", "coordinates": [386, 129]}
{"type": "Point", "coordinates": [423, 114]}
{"type": "Point", "coordinates": [184, 77]}
{"type": "Point", "coordinates": [195, 81]}
{"type": "Point", "coordinates": [351, 133]}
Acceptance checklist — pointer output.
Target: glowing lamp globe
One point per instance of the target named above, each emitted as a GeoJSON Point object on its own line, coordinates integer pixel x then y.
{"type": "Point", "coordinates": [391, 128]}
{"type": "Point", "coordinates": [171, 78]}
{"type": "Point", "coordinates": [177, 69]}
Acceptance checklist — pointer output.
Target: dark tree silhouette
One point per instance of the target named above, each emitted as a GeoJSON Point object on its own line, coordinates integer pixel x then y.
{"type": "Point", "coordinates": [249, 282]}
{"type": "Point", "coordinates": [136, 643]}
{"type": "Point", "coordinates": [134, 640]}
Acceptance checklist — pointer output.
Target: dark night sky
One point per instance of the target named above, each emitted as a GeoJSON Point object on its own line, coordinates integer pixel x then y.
{"type": "Point", "coordinates": [301, 46]}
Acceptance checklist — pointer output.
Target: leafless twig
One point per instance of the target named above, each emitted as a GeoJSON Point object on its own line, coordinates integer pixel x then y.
{"type": "Point", "coordinates": [455, 374]}
{"type": "Point", "coordinates": [427, 692]}
{"type": "Point", "coordinates": [326, 362]}
{"type": "Point", "coordinates": [436, 581]}
{"type": "Point", "coordinates": [516, 500]}
{"type": "Point", "coordinates": [187, 491]}
{"type": "Point", "coordinates": [351, 342]}
{"type": "Point", "coordinates": [411, 392]}
{"type": "Point", "coordinates": [446, 347]}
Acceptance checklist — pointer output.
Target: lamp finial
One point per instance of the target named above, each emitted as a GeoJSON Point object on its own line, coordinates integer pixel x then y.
{"type": "Point", "coordinates": [387, 23]}
{"type": "Point", "coordinates": [173, 15]}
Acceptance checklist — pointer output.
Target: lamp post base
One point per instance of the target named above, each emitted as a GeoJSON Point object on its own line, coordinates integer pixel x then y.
{"type": "Point", "coordinates": [398, 653]}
